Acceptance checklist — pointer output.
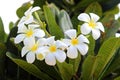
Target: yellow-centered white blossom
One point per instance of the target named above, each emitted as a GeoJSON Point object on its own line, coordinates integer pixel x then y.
{"type": "Point", "coordinates": [75, 43]}
{"type": "Point", "coordinates": [25, 33]}
{"type": "Point", "coordinates": [91, 24]}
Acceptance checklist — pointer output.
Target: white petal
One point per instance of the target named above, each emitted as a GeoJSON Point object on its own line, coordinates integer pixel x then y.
{"type": "Point", "coordinates": [71, 33]}
{"type": "Point", "coordinates": [94, 17]}
{"type": "Point", "coordinates": [22, 21]}
{"type": "Point", "coordinates": [30, 57]}
{"type": "Point", "coordinates": [41, 41]}
{"type": "Point", "coordinates": [29, 41]}
{"type": "Point", "coordinates": [50, 59]}
{"type": "Point", "coordinates": [28, 11]}
{"type": "Point", "coordinates": [19, 38]}
{"type": "Point", "coordinates": [82, 39]}
{"type": "Point", "coordinates": [35, 9]}
{"type": "Point", "coordinates": [39, 33]}
{"type": "Point", "coordinates": [33, 26]}
{"type": "Point", "coordinates": [100, 26]}
{"type": "Point", "coordinates": [60, 56]}
{"type": "Point", "coordinates": [72, 52]}
{"type": "Point", "coordinates": [50, 40]}
{"type": "Point", "coordinates": [84, 17]}
{"type": "Point", "coordinates": [85, 29]}
{"type": "Point", "coordinates": [24, 51]}
{"type": "Point", "coordinates": [95, 33]}
{"type": "Point", "coordinates": [29, 20]}
{"type": "Point", "coordinates": [22, 28]}
{"type": "Point", "coordinates": [83, 48]}
{"type": "Point", "coordinates": [66, 41]}
{"type": "Point", "coordinates": [61, 45]}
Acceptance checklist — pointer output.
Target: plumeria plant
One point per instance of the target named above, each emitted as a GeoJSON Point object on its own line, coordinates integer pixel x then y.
{"type": "Point", "coordinates": [62, 40]}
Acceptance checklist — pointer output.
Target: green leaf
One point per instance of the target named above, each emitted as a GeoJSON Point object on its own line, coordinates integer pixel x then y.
{"type": "Point", "coordinates": [91, 46]}
{"type": "Point", "coordinates": [64, 21]}
{"type": "Point", "coordinates": [82, 5]}
{"type": "Point", "coordinates": [31, 68]}
{"type": "Point", "coordinates": [2, 60]}
{"type": "Point", "coordinates": [75, 63]}
{"type": "Point", "coordinates": [54, 29]}
{"type": "Point", "coordinates": [118, 78]}
{"type": "Point", "coordinates": [94, 7]}
{"type": "Point", "coordinates": [66, 70]}
{"type": "Point", "coordinates": [39, 3]}
{"type": "Point", "coordinates": [115, 25]}
{"type": "Point", "coordinates": [2, 32]}
{"type": "Point", "coordinates": [50, 70]}
{"type": "Point", "coordinates": [113, 11]}
{"type": "Point", "coordinates": [20, 11]}
{"type": "Point", "coordinates": [115, 64]}
{"type": "Point", "coordinates": [11, 25]}
{"type": "Point", "coordinates": [88, 67]}
{"type": "Point", "coordinates": [105, 54]}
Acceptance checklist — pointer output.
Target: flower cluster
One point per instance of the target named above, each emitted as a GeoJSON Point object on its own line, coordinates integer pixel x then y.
{"type": "Point", "coordinates": [38, 46]}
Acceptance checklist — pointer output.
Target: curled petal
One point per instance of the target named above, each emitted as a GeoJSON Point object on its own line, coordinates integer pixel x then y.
{"type": "Point", "coordinates": [39, 33]}
{"type": "Point", "coordinates": [71, 33]}
{"type": "Point", "coordinates": [35, 9]}
{"type": "Point", "coordinates": [85, 29]}
{"type": "Point", "coordinates": [19, 38]}
{"type": "Point", "coordinates": [72, 52]}
{"type": "Point", "coordinates": [100, 26]}
{"type": "Point", "coordinates": [50, 40]}
{"type": "Point", "coordinates": [60, 56]}
{"type": "Point", "coordinates": [83, 48]}
{"type": "Point", "coordinates": [30, 57]}
{"type": "Point", "coordinates": [82, 39]}
{"type": "Point", "coordinates": [94, 17]}
{"type": "Point", "coordinates": [95, 34]}
{"type": "Point", "coordinates": [84, 17]}
{"type": "Point", "coordinates": [24, 51]}
{"type": "Point", "coordinates": [50, 59]}
{"type": "Point", "coordinates": [28, 11]}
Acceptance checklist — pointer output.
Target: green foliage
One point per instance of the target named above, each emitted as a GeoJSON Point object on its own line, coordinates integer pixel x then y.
{"type": "Point", "coordinates": [53, 27]}
{"type": "Point", "coordinates": [2, 32]}
{"type": "Point", "coordinates": [31, 68]}
{"type": "Point", "coordinates": [102, 62]}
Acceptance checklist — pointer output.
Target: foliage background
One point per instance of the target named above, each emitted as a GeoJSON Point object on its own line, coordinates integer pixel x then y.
{"type": "Point", "coordinates": [102, 61]}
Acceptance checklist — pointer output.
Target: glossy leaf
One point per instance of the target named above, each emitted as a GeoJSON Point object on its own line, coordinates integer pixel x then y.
{"type": "Point", "coordinates": [31, 68]}
{"type": "Point", "coordinates": [20, 11]}
{"type": "Point", "coordinates": [64, 21]}
{"type": "Point", "coordinates": [53, 27]}
{"type": "Point", "coordinates": [88, 67]}
{"type": "Point", "coordinates": [66, 70]}
{"type": "Point", "coordinates": [105, 53]}
{"type": "Point", "coordinates": [94, 8]}
{"type": "Point", "coordinates": [2, 32]}
{"type": "Point", "coordinates": [2, 61]}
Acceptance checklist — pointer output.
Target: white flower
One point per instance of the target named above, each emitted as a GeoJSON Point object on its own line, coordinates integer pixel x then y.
{"type": "Point", "coordinates": [27, 32]}
{"type": "Point", "coordinates": [53, 52]}
{"type": "Point", "coordinates": [117, 35]}
{"type": "Point", "coordinates": [30, 48]}
{"type": "Point", "coordinates": [91, 24]}
{"type": "Point", "coordinates": [75, 44]}
{"type": "Point", "coordinates": [28, 17]}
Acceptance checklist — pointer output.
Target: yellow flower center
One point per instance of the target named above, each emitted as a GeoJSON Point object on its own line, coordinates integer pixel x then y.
{"type": "Point", "coordinates": [29, 33]}
{"type": "Point", "coordinates": [34, 48]}
{"type": "Point", "coordinates": [53, 48]}
{"type": "Point", "coordinates": [92, 24]}
{"type": "Point", "coordinates": [40, 56]}
{"type": "Point", "coordinates": [74, 41]}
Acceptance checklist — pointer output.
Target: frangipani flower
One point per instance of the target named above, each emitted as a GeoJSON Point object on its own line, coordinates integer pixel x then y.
{"type": "Point", "coordinates": [30, 48]}
{"type": "Point", "coordinates": [91, 25]}
{"type": "Point", "coordinates": [28, 17]}
{"type": "Point", "coordinates": [75, 44]}
{"type": "Point", "coordinates": [25, 33]}
{"type": "Point", "coordinates": [53, 52]}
